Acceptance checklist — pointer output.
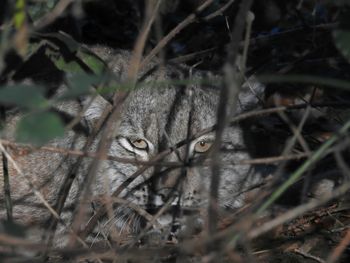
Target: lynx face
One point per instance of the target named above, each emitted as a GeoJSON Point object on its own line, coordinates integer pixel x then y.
{"type": "Point", "coordinates": [155, 120]}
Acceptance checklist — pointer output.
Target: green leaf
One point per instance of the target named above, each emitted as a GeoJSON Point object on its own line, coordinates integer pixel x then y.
{"type": "Point", "coordinates": [75, 58]}
{"type": "Point", "coordinates": [39, 128]}
{"type": "Point", "coordinates": [37, 9]}
{"type": "Point", "coordinates": [27, 96]}
{"type": "Point", "coordinates": [70, 43]}
{"type": "Point", "coordinates": [20, 13]}
{"type": "Point", "coordinates": [57, 58]}
{"type": "Point", "coordinates": [96, 65]}
{"type": "Point", "coordinates": [80, 84]}
{"type": "Point", "coordinates": [51, 4]}
{"type": "Point", "coordinates": [91, 61]}
{"type": "Point", "coordinates": [342, 42]}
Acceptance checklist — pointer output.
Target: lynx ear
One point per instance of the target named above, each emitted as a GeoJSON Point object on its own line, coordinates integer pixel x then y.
{"type": "Point", "coordinates": [251, 95]}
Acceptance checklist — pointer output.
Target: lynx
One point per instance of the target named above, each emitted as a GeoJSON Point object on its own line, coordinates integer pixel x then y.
{"type": "Point", "coordinates": [154, 119]}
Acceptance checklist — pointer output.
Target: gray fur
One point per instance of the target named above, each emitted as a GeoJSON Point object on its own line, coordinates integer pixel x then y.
{"type": "Point", "coordinates": [160, 115]}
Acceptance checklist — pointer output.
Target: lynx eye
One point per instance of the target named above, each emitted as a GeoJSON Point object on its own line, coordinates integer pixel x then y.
{"type": "Point", "coordinates": [202, 146]}
{"type": "Point", "coordinates": [139, 144]}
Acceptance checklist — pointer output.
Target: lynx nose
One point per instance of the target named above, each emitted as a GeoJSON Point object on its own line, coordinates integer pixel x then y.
{"type": "Point", "coordinates": [166, 185]}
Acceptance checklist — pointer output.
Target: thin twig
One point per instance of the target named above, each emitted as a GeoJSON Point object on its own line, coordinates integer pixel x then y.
{"type": "Point", "coordinates": [187, 57]}
{"type": "Point", "coordinates": [48, 18]}
{"type": "Point", "coordinates": [227, 102]}
{"type": "Point", "coordinates": [339, 250]}
{"type": "Point", "coordinates": [326, 82]}
{"type": "Point", "coordinates": [151, 222]}
{"type": "Point", "coordinates": [308, 255]}
{"type": "Point", "coordinates": [135, 61]}
{"type": "Point", "coordinates": [293, 213]}
{"type": "Point", "coordinates": [187, 21]}
{"type": "Point", "coordinates": [219, 12]}
{"type": "Point", "coordinates": [7, 187]}
{"type": "Point", "coordinates": [132, 205]}
{"type": "Point", "coordinates": [11, 240]}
